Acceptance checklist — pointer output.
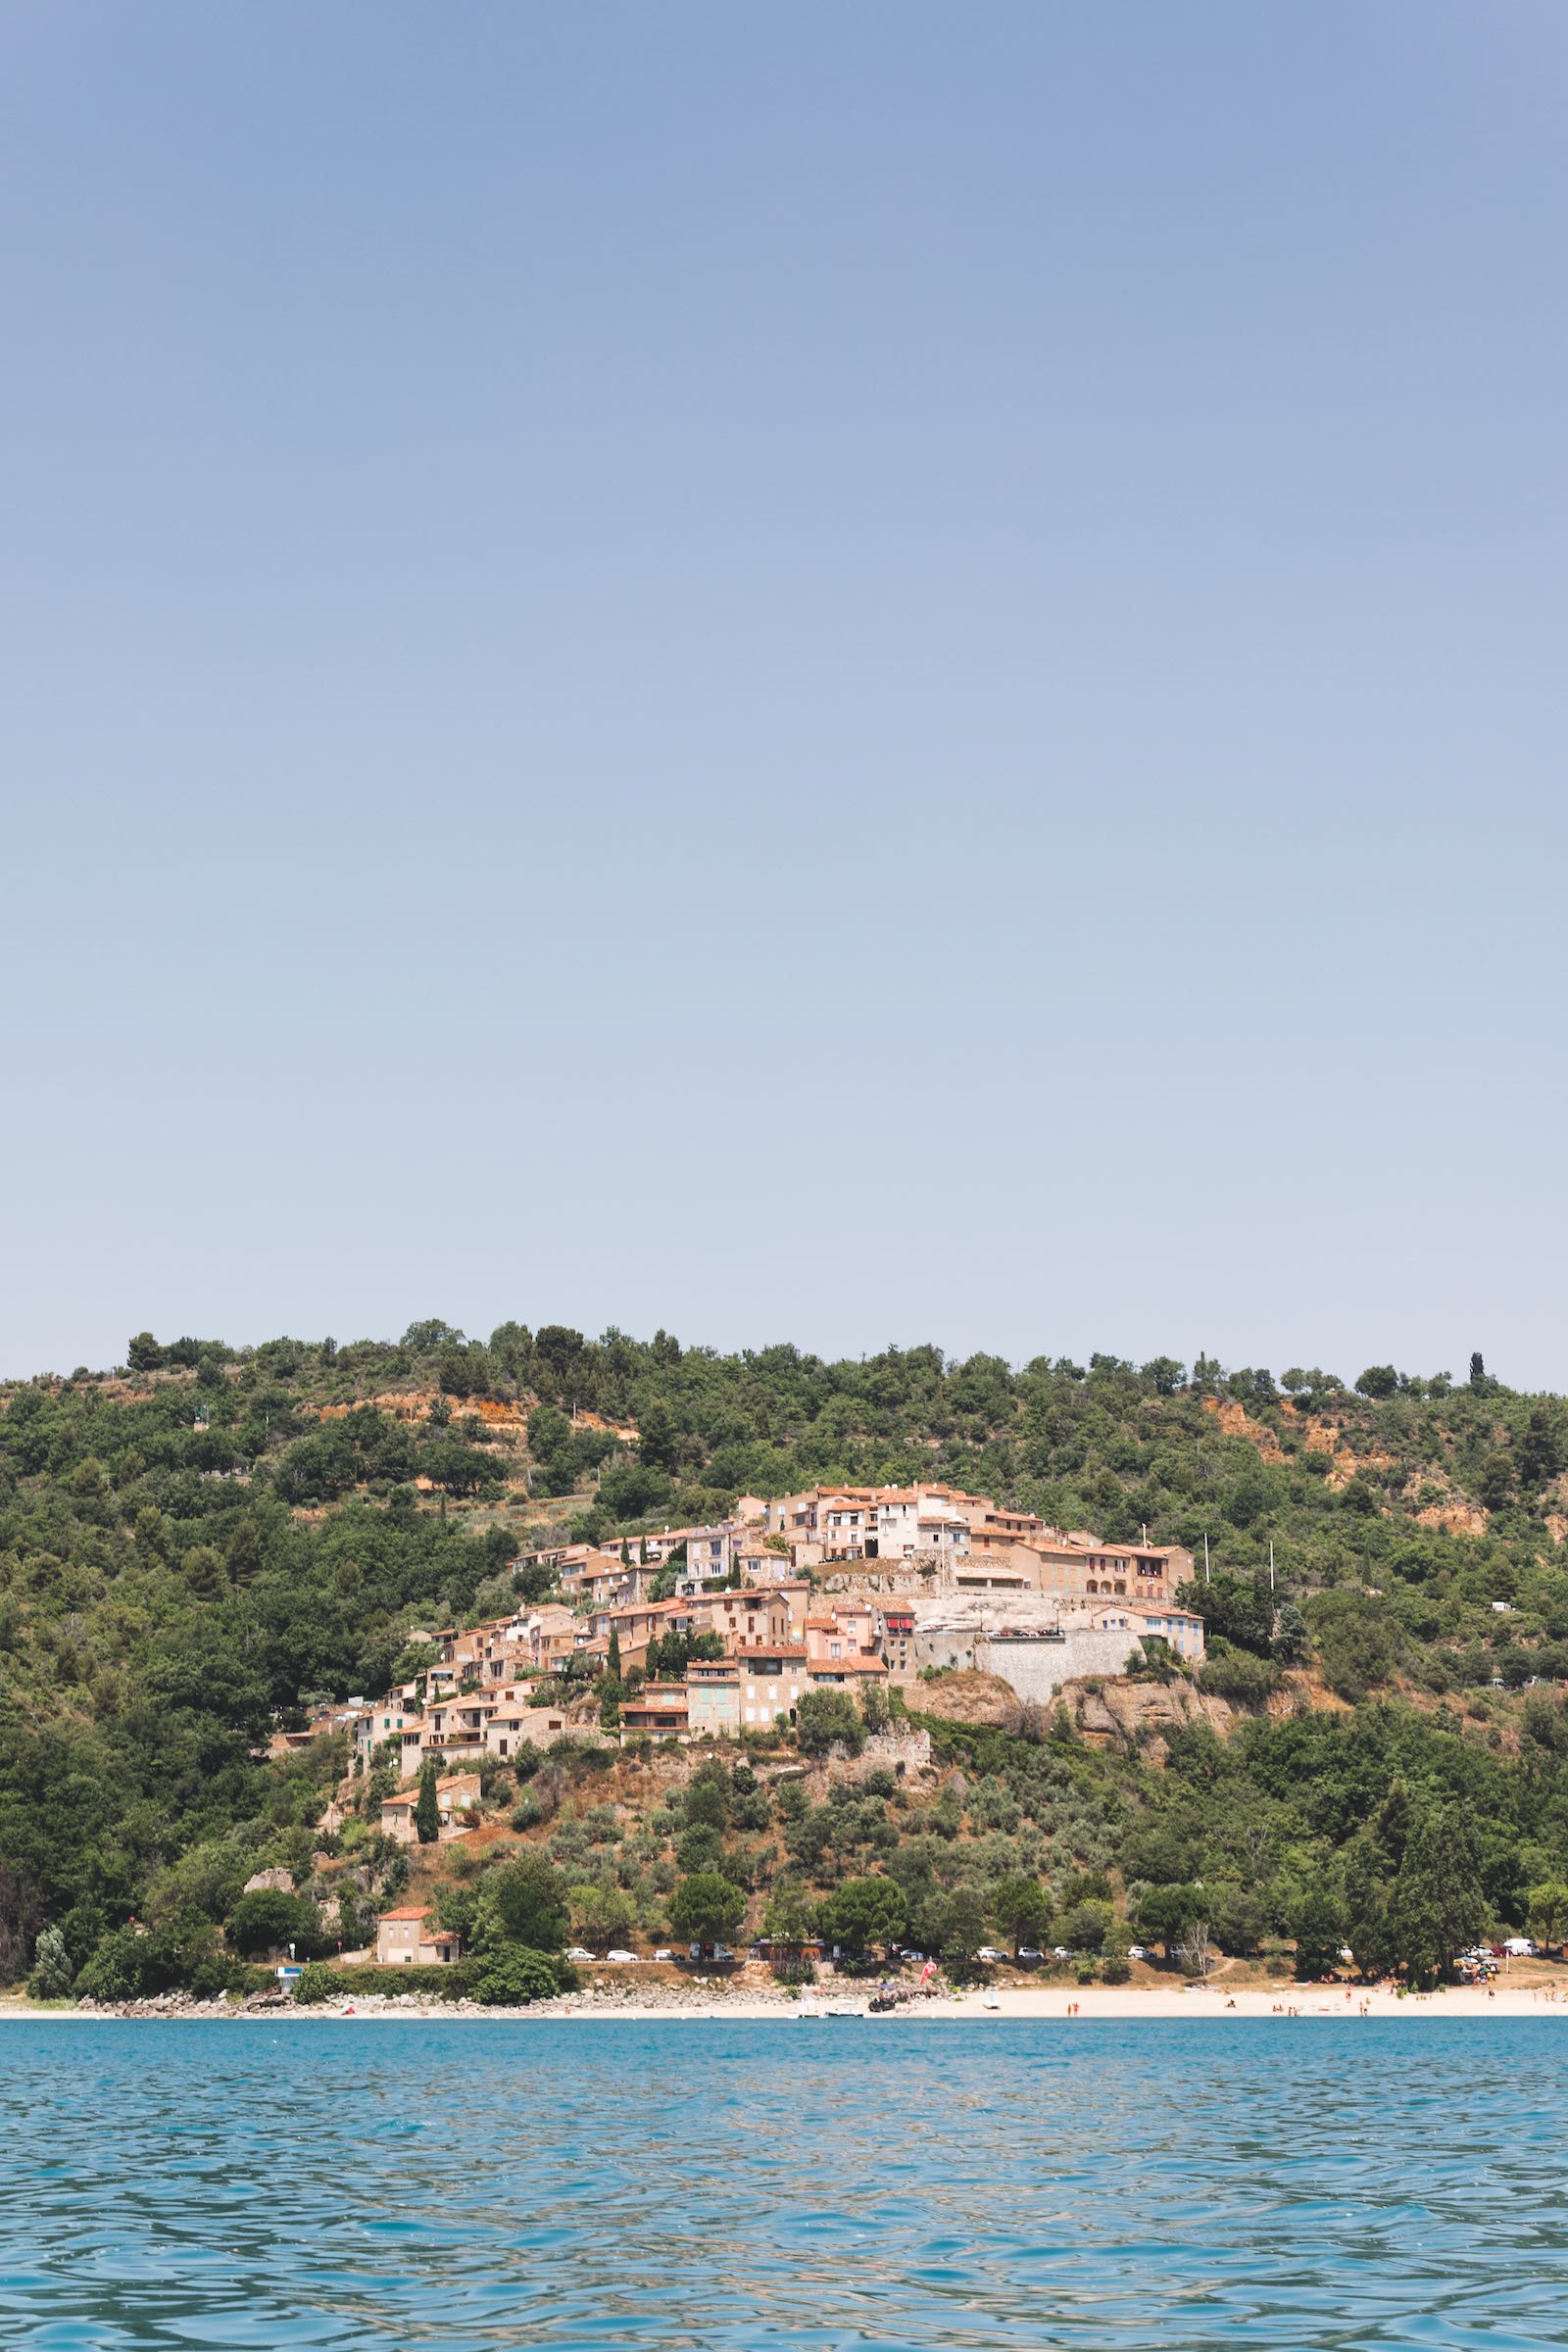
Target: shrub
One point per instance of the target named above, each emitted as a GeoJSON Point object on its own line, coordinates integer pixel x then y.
{"type": "Point", "coordinates": [1235, 1675]}
{"type": "Point", "coordinates": [827, 1719]}
{"type": "Point", "coordinates": [513, 1975]}
{"type": "Point", "coordinates": [215, 1975]}
{"type": "Point", "coordinates": [327, 1982]}
{"type": "Point", "coordinates": [114, 1970]}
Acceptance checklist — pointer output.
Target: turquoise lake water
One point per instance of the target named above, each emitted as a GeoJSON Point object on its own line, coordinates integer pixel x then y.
{"type": "Point", "coordinates": [692, 2184]}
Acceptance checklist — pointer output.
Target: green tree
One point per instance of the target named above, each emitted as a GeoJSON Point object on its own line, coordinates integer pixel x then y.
{"type": "Point", "coordinates": [1239, 1609]}
{"type": "Point", "coordinates": [862, 1911]}
{"type": "Point", "coordinates": [707, 1908]}
{"type": "Point", "coordinates": [957, 1923]}
{"type": "Point", "coordinates": [601, 1915]}
{"type": "Point", "coordinates": [1547, 1913]}
{"type": "Point", "coordinates": [1291, 1640]}
{"type": "Point", "coordinates": [1086, 1926]}
{"type": "Point", "coordinates": [1164, 1914]}
{"type": "Point", "coordinates": [153, 1532]}
{"type": "Point", "coordinates": [428, 1806]}
{"type": "Point", "coordinates": [353, 1928]}
{"type": "Point", "coordinates": [269, 1921]}
{"type": "Point", "coordinates": [1543, 1451]}
{"type": "Point", "coordinates": [790, 1916]}
{"type": "Point", "coordinates": [1021, 1908]}
{"type": "Point", "coordinates": [1318, 1925]}
{"type": "Point", "coordinates": [1495, 1482]}
{"type": "Point", "coordinates": [706, 1801]}
{"type": "Point", "coordinates": [1355, 1643]}
{"type": "Point", "coordinates": [549, 1434]}
{"type": "Point", "coordinates": [1437, 1906]}
{"type": "Point", "coordinates": [656, 1437]}
{"type": "Point", "coordinates": [1364, 1907]}
{"type": "Point", "coordinates": [52, 1970]}
{"type": "Point", "coordinates": [524, 1901]}
{"type": "Point", "coordinates": [243, 1554]}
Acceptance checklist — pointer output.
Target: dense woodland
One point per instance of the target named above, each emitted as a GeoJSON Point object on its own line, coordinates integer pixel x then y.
{"type": "Point", "coordinates": [199, 1545]}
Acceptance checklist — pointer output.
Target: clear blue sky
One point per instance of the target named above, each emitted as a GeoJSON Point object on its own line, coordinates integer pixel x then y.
{"type": "Point", "coordinates": [851, 674]}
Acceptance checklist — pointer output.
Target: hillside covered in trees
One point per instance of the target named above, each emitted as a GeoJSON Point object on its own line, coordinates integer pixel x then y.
{"type": "Point", "coordinates": [197, 1545]}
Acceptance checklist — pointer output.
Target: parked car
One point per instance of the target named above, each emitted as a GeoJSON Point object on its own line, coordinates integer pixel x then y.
{"type": "Point", "coordinates": [989, 1951]}
{"type": "Point", "coordinates": [621, 1955]}
{"type": "Point", "coordinates": [664, 1953]}
{"type": "Point", "coordinates": [577, 1953]}
{"type": "Point", "coordinates": [1027, 1951]}
{"type": "Point", "coordinates": [1061, 1951]}
{"type": "Point", "coordinates": [1138, 1951]}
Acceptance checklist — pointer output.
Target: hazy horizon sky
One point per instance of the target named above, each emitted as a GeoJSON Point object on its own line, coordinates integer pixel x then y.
{"type": "Point", "coordinates": [853, 674]}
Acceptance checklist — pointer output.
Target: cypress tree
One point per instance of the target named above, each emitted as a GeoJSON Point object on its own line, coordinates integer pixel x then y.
{"type": "Point", "coordinates": [426, 1809]}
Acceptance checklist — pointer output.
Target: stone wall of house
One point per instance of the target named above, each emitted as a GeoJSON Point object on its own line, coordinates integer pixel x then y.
{"type": "Point", "coordinates": [1037, 1669]}
{"type": "Point", "coordinates": [1034, 1668]}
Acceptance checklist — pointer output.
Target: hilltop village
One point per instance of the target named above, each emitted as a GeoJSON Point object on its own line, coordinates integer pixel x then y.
{"type": "Point", "coordinates": [711, 1629]}
{"type": "Point", "coordinates": [702, 1633]}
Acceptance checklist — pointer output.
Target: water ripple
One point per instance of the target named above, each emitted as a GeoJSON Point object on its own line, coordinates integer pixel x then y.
{"type": "Point", "coordinates": [935, 2187]}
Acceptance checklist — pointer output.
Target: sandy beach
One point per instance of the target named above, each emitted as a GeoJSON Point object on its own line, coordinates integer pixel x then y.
{"type": "Point", "coordinates": [826, 2004]}
{"type": "Point", "coordinates": [1100, 2005]}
